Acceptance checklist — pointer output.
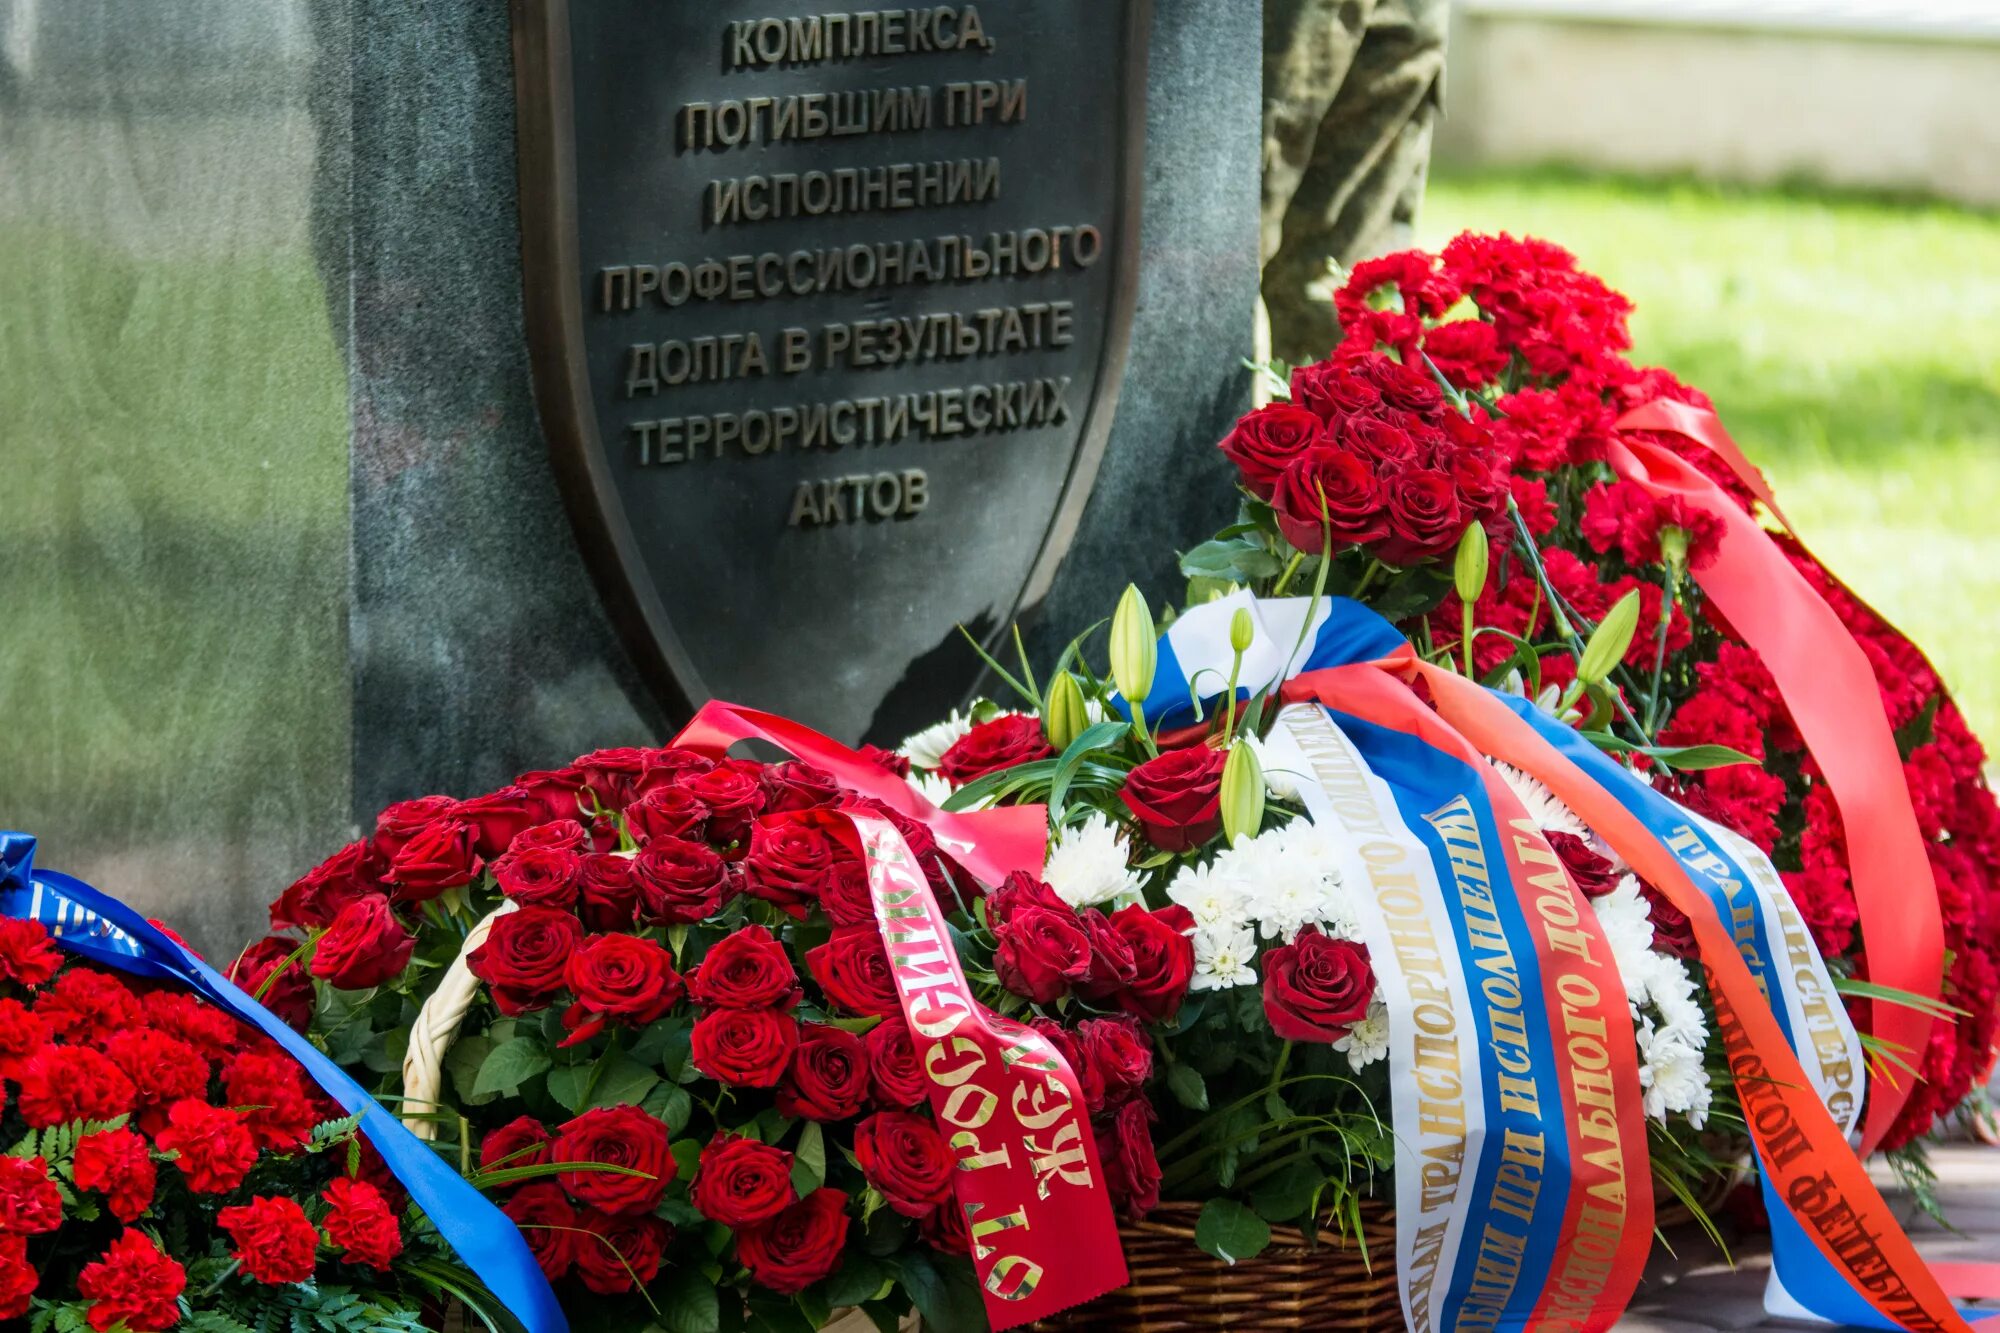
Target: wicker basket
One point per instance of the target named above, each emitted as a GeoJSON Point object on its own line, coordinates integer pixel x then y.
{"type": "Point", "coordinates": [1290, 1286]}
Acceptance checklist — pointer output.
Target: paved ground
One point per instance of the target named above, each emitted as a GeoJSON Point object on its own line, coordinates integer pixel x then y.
{"type": "Point", "coordinates": [1700, 1292]}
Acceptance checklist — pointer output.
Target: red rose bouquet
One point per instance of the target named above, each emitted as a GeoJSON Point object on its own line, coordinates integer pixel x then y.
{"type": "Point", "coordinates": [172, 1168]}
{"type": "Point", "coordinates": [645, 1001]}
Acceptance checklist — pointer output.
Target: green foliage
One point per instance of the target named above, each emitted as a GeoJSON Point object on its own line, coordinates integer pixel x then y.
{"type": "Point", "coordinates": [1229, 1231]}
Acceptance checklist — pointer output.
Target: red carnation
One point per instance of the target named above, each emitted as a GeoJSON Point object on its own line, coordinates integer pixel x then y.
{"type": "Point", "coordinates": [275, 1242]}
{"type": "Point", "coordinates": [525, 956]}
{"type": "Point", "coordinates": [522, 1141]}
{"type": "Point", "coordinates": [1001, 742]}
{"type": "Point", "coordinates": [359, 1221]}
{"type": "Point", "coordinates": [617, 1252]}
{"type": "Point", "coordinates": [746, 970]}
{"type": "Point", "coordinates": [27, 957]}
{"type": "Point", "coordinates": [799, 1246]}
{"type": "Point", "coordinates": [22, 1033]}
{"type": "Point", "coordinates": [270, 1088]}
{"type": "Point", "coordinates": [1177, 797]}
{"type": "Point", "coordinates": [548, 1222]}
{"type": "Point", "coordinates": [828, 1076]}
{"type": "Point", "coordinates": [84, 1004]}
{"type": "Point", "coordinates": [163, 1069]}
{"type": "Point", "coordinates": [365, 946]}
{"type": "Point", "coordinates": [200, 1025]}
{"type": "Point", "coordinates": [215, 1147]}
{"type": "Point", "coordinates": [745, 1048]}
{"type": "Point", "coordinates": [30, 1203]}
{"type": "Point", "coordinates": [741, 1181]}
{"type": "Point", "coordinates": [853, 969]}
{"type": "Point", "coordinates": [17, 1277]}
{"type": "Point", "coordinates": [64, 1083]}
{"type": "Point", "coordinates": [133, 1283]}
{"type": "Point", "coordinates": [621, 1136]}
{"type": "Point", "coordinates": [274, 974]}
{"type": "Point", "coordinates": [118, 1164]}
{"type": "Point", "coordinates": [903, 1156]}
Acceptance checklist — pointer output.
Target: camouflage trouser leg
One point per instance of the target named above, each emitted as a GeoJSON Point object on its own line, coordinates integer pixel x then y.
{"type": "Point", "coordinates": [1351, 88]}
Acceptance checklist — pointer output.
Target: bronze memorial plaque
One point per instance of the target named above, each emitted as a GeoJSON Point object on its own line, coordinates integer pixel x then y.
{"type": "Point", "coordinates": [828, 310]}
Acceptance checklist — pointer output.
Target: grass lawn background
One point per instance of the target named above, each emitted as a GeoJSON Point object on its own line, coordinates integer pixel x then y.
{"type": "Point", "coordinates": [1852, 346]}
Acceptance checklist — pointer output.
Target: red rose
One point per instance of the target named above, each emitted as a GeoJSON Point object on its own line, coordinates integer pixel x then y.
{"type": "Point", "coordinates": [565, 835]}
{"type": "Point", "coordinates": [271, 1087]}
{"type": "Point", "coordinates": [615, 1252]}
{"type": "Point", "coordinates": [734, 796]}
{"type": "Point", "coordinates": [745, 1048]}
{"type": "Point", "coordinates": [525, 957]}
{"type": "Point", "coordinates": [316, 897]}
{"type": "Point", "coordinates": [539, 876]}
{"type": "Point", "coordinates": [679, 882]}
{"type": "Point", "coordinates": [1266, 441]}
{"type": "Point", "coordinates": [670, 767]}
{"type": "Point", "coordinates": [789, 862]}
{"type": "Point", "coordinates": [613, 773]}
{"type": "Point", "coordinates": [498, 817]}
{"type": "Point", "coordinates": [163, 1069]}
{"type": "Point", "coordinates": [1317, 987]}
{"type": "Point", "coordinates": [1334, 389]}
{"type": "Point", "coordinates": [1328, 491]}
{"type": "Point", "coordinates": [64, 1083]}
{"type": "Point", "coordinates": [617, 1136]}
{"type": "Point", "coordinates": [551, 794]}
{"type": "Point", "coordinates": [365, 946]}
{"type": "Point", "coordinates": [828, 1077]}
{"type": "Point", "coordinates": [889, 761]}
{"type": "Point", "coordinates": [1112, 965]}
{"type": "Point", "coordinates": [944, 1229]}
{"type": "Point", "coordinates": [853, 970]}
{"type": "Point", "coordinates": [746, 970]}
{"type": "Point", "coordinates": [1177, 797]}
{"type": "Point", "coordinates": [522, 1141]}
{"type": "Point", "coordinates": [1673, 933]}
{"type": "Point", "coordinates": [359, 1221]}
{"type": "Point", "coordinates": [27, 957]}
{"type": "Point", "coordinates": [118, 1164]}
{"type": "Point", "coordinates": [404, 820]}
{"type": "Point", "coordinates": [1117, 1061]}
{"type": "Point", "coordinates": [1020, 890]}
{"type": "Point", "coordinates": [1131, 1170]}
{"type": "Point", "coordinates": [1001, 742]}
{"type": "Point", "coordinates": [740, 1182]}
{"type": "Point", "coordinates": [269, 973]}
{"type": "Point", "coordinates": [443, 855]}
{"type": "Point", "coordinates": [1592, 874]}
{"type": "Point", "coordinates": [1426, 518]}
{"type": "Point", "coordinates": [215, 1146]}
{"type": "Point", "coordinates": [895, 1076]}
{"type": "Point", "coordinates": [666, 812]}
{"type": "Point", "coordinates": [799, 1246]}
{"type": "Point", "coordinates": [793, 785]}
{"type": "Point", "coordinates": [905, 1158]}
{"type": "Point", "coordinates": [549, 1223]}
{"type": "Point", "coordinates": [275, 1241]}
{"type": "Point", "coordinates": [607, 892]}
{"type": "Point", "coordinates": [845, 897]}
{"type": "Point", "coordinates": [17, 1277]}
{"type": "Point", "coordinates": [623, 978]}
{"type": "Point", "coordinates": [1162, 959]}
{"type": "Point", "coordinates": [29, 1200]}
{"type": "Point", "coordinates": [134, 1283]}
{"type": "Point", "coordinates": [1041, 952]}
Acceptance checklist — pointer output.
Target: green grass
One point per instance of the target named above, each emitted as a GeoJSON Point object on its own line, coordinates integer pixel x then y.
{"type": "Point", "coordinates": [1852, 346]}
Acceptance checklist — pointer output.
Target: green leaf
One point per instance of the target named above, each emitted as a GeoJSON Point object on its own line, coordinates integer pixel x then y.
{"type": "Point", "coordinates": [999, 783]}
{"type": "Point", "coordinates": [1092, 738]}
{"type": "Point", "coordinates": [569, 1086]}
{"type": "Point", "coordinates": [1285, 1196]}
{"type": "Point", "coordinates": [687, 1302]}
{"type": "Point", "coordinates": [510, 1065]}
{"type": "Point", "coordinates": [1690, 758]}
{"type": "Point", "coordinates": [670, 1104]}
{"type": "Point", "coordinates": [859, 1281]}
{"type": "Point", "coordinates": [1229, 1231]}
{"type": "Point", "coordinates": [1188, 1087]}
{"type": "Point", "coordinates": [944, 1290]}
{"type": "Point", "coordinates": [621, 1081]}
{"type": "Point", "coordinates": [809, 1159]}
{"type": "Point", "coordinates": [464, 1061]}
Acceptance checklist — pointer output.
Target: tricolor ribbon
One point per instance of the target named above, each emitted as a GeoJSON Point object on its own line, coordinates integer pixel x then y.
{"type": "Point", "coordinates": [103, 930]}
{"type": "Point", "coordinates": [1838, 1249]}
{"type": "Point", "coordinates": [1029, 1182]}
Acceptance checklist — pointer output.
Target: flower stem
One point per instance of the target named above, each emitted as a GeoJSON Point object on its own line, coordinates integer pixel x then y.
{"type": "Point", "coordinates": [1285, 579]}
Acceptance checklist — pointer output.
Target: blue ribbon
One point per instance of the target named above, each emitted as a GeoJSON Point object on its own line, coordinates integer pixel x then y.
{"type": "Point", "coordinates": [104, 930]}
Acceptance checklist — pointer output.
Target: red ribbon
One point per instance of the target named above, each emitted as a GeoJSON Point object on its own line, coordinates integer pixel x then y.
{"type": "Point", "coordinates": [1831, 692]}
{"type": "Point", "coordinates": [1029, 1181]}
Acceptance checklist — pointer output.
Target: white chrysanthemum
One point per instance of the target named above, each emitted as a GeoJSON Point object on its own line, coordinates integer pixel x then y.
{"type": "Point", "coordinates": [1628, 928]}
{"type": "Point", "coordinates": [1290, 878]}
{"type": "Point", "coordinates": [1367, 1041]}
{"type": "Point", "coordinates": [926, 748]}
{"type": "Point", "coordinates": [1543, 806]}
{"type": "Point", "coordinates": [1214, 901]}
{"type": "Point", "coordinates": [1672, 1029]}
{"type": "Point", "coordinates": [1087, 864]}
{"type": "Point", "coordinates": [933, 787]}
{"type": "Point", "coordinates": [1279, 782]}
{"type": "Point", "coordinates": [1672, 1073]}
{"type": "Point", "coordinates": [1224, 957]}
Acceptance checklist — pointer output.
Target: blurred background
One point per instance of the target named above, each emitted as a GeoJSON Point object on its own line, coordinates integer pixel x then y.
{"type": "Point", "coordinates": [1803, 199]}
